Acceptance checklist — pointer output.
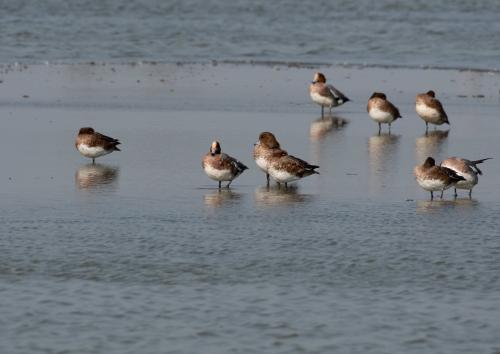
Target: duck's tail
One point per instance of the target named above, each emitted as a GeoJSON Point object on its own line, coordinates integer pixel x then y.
{"type": "Point", "coordinates": [476, 162]}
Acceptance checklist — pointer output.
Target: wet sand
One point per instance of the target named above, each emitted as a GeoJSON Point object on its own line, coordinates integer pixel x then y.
{"type": "Point", "coordinates": [356, 257]}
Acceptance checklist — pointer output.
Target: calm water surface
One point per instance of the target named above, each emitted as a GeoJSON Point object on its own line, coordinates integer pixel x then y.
{"type": "Point", "coordinates": [140, 253]}
{"type": "Point", "coordinates": [449, 33]}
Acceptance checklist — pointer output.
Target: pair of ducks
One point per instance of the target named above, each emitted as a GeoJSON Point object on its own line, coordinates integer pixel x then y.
{"type": "Point", "coordinates": [428, 107]}
{"type": "Point", "coordinates": [452, 172]}
{"type": "Point", "coordinates": [379, 108]}
{"type": "Point", "coordinates": [275, 162]}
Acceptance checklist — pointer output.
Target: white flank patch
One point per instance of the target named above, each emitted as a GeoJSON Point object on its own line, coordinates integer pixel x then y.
{"type": "Point", "coordinates": [428, 114]}
{"type": "Point", "coordinates": [282, 176]}
{"type": "Point", "coordinates": [380, 116]}
{"type": "Point", "coordinates": [92, 151]}
{"type": "Point", "coordinates": [470, 178]}
{"type": "Point", "coordinates": [262, 163]}
{"type": "Point", "coordinates": [218, 175]}
{"type": "Point", "coordinates": [322, 100]}
{"type": "Point", "coordinates": [432, 184]}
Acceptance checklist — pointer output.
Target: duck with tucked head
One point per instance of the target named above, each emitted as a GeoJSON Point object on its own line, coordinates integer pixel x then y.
{"type": "Point", "coordinates": [435, 178]}
{"type": "Point", "coordinates": [467, 169]}
{"type": "Point", "coordinates": [92, 144]}
{"type": "Point", "coordinates": [263, 151]}
{"type": "Point", "coordinates": [381, 110]}
{"type": "Point", "coordinates": [430, 109]}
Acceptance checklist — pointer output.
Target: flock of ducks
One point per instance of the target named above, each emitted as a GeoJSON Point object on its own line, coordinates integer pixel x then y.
{"type": "Point", "coordinates": [283, 168]}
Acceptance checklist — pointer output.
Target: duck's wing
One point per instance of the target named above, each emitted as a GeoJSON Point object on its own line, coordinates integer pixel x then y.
{"type": "Point", "coordinates": [337, 94]}
{"type": "Point", "coordinates": [228, 162]}
{"type": "Point", "coordinates": [296, 166]}
{"type": "Point", "coordinates": [105, 138]}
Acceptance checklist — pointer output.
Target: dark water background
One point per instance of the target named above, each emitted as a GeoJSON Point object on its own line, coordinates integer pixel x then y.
{"type": "Point", "coordinates": [446, 33]}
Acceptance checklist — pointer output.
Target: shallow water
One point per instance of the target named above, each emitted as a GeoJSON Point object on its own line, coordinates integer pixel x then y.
{"type": "Point", "coordinates": [141, 253]}
{"type": "Point", "coordinates": [449, 33]}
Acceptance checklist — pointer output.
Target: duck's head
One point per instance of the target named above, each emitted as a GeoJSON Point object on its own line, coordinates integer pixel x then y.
{"type": "Point", "coordinates": [269, 140]}
{"type": "Point", "coordinates": [319, 77]}
{"type": "Point", "coordinates": [215, 148]}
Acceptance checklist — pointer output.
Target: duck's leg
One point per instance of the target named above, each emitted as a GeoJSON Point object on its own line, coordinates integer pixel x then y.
{"type": "Point", "coordinates": [442, 191]}
{"type": "Point", "coordinates": [432, 195]}
{"type": "Point", "coordinates": [220, 184]}
{"type": "Point", "coordinates": [456, 195]}
{"type": "Point", "coordinates": [322, 111]}
{"type": "Point", "coordinates": [330, 111]}
{"type": "Point", "coordinates": [286, 185]}
{"type": "Point", "coordinates": [470, 193]}
{"type": "Point", "coordinates": [389, 128]}
{"type": "Point", "coordinates": [426, 127]}
{"type": "Point", "coordinates": [379, 128]}
{"type": "Point", "coordinates": [267, 178]}
{"type": "Point", "coordinates": [228, 184]}
{"type": "Point", "coordinates": [93, 161]}
{"type": "Point", "coordinates": [279, 185]}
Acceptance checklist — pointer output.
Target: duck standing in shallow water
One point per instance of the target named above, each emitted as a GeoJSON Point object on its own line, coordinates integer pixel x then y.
{"type": "Point", "coordinates": [283, 168]}
{"type": "Point", "coordinates": [465, 168]}
{"type": "Point", "coordinates": [92, 144]}
{"type": "Point", "coordinates": [435, 178]}
{"type": "Point", "coordinates": [430, 109]}
{"type": "Point", "coordinates": [264, 149]}
{"type": "Point", "coordinates": [325, 95]}
{"type": "Point", "coordinates": [381, 110]}
{"type": "Point", "coordinates": [221, 167]}
{"type": "Point", "coordinates": [287, 168]}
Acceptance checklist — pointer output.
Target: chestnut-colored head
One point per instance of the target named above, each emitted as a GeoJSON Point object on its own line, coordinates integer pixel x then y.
{"type": "Point", "coordinates": [269, 140]}
{"type": "Point", "coordinates": [86, 130]}
{"type": "Point", "coordinates": [379, 95]}
{"type": "Point", "coordinates": [429, 162]}
{"type": "Point", "coordinates": [431, 93]}
{"type": "Point", "coordinates": [319, 77]}
{"type": "Point", "coordinates": [215, 148]}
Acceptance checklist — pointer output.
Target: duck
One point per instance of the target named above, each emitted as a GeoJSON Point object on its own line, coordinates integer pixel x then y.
{"type": "Point", "coordinates": [266, 147]}
{"type": "Point", "coordinates": [435, 178]}
{"type": "Point", "coordinates": [92, 144]}
{"type": "Point", "coordinates": [382, 110]}
{"type": "Point", "coordinates": [430, 109]}
{"type": "Point", "coordinates": [467, 169]}
{"type": "Point", "coordinates": [221, 167]}
{"type": "Point", "coordinates": [325, 95]}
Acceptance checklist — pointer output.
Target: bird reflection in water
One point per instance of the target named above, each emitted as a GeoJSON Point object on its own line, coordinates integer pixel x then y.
{"type": "Point", "coordinates": [430, 144]}
{"type": "Point", "coordinates": [275, 196]}
{"type": "Point", "coordinates": [436, 205]}
{"type": "Point", "coordinates": [221, 197]}
{"type": "Point", "coordinates": [322, 126]}
{"type": "Point", "coordinates": [382, 150]}
{"type": "Point", "coordinates": [94, 176]}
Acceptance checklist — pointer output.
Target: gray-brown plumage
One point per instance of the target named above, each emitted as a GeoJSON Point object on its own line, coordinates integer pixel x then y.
{"type": "Point", "coordinates": [381, 110]}
{"type": "Point", "coordinates": [93, 144]}
{"type": "Point", "coordinates": [325, 95]}
{"type": "Point", "coordinates": [221, 167]}
{"type": "Point", "coordinates": [430, 109]}
{"type": "Point", "coordinates": [467, 169]}
{"type": "Point", "coordinates": [264, 150]}
{"type": "Point", "coordinates": [434, 178]}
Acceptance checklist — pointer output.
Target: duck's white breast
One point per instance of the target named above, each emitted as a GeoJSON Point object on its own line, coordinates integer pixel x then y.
{"type": "Point", "coordinates": [321, 100]}
{"type": "Point", "coordinates": [92, 151]}
{"type": "Point", "coordinates": [218, 175]}
{"type": "Point", "coordinates": [381, 116]}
